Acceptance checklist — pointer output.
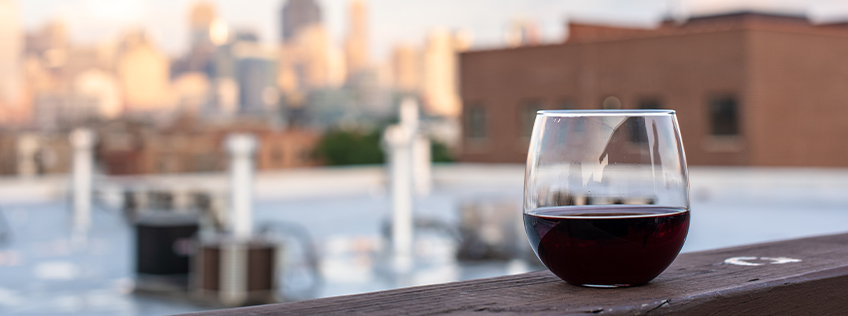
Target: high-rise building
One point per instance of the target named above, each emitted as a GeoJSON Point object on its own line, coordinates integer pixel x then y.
{"type": "Point", "coordinates": [296, 15]}
{"type": "Point", "coordinates": [144, 74]}
{"type": "Point", "coordinates": [313, 48]}
{"type": "Point", "coordinates": [191, 92]}
{"type": "Point", "coordinates": [200, 23]}
{"type": "Point", "coordinates": [103, 88]}
{"type": "Point", "coordinates": [406, 68]}
{"type": "Point", "coordinates": [441, 83]}
{"type": "Point", "coordinates": [11, 37]}
{"type": "Point", "coordinates": [226, 93]}
{"type": "Point", "coordinates": [287, 69]}
{"type": "Point", "coordinates": [206, 32]}
{"type": "Point", "coordinates": [336, 67]}
{"type": "Point", "coordinates": [356, 45]}
{"type": "Point", "coordinates": [310, 61]}
{"type": "Point", "coordinates": [51, 36]}
{"type": "Point", "coordinates": [45, 51]}
{"type": "Point", "coordinates": [256, 77]}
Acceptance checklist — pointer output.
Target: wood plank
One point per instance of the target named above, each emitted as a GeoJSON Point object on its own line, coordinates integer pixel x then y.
{"type": "Point", "coordinates": [698, 283]}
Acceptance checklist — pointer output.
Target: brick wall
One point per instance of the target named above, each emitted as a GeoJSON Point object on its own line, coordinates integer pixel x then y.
{"type": "Point", "coordinates": [788, 78]}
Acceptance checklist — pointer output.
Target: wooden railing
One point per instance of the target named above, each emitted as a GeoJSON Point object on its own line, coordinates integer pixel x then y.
{"type": "Point", "coordinates": [796, 277]}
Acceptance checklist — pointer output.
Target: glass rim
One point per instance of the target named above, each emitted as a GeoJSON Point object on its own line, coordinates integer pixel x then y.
{"type": "Point", "coordinates": [634, 112]}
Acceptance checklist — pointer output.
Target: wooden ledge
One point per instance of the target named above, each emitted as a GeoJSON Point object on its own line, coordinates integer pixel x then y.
{"type": "Point", "coordinates": [757, 282]}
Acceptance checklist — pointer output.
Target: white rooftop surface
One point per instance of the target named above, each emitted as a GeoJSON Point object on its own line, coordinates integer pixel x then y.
{"type": "Point", "coordinates": [44, 271]}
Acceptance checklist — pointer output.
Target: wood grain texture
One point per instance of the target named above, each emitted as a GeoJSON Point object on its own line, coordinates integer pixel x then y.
{"type": "Point", "coordinates": [698, 283]}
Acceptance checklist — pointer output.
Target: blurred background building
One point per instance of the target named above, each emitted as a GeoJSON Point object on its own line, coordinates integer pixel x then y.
{"type": "Point", "coordinates": [309, 82]}
{"type": "Point", "coordinates": [744, 89]}
{"type": "Point", "coordinates": [11, 74]}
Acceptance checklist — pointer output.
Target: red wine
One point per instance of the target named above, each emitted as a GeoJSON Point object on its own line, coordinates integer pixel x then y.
{"type": "Point", "coordinates": [615, 245]}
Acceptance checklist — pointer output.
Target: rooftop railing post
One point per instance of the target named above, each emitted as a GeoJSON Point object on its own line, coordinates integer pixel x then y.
{"type": "Point", "coordinates": [27, 147]}
{"type": "Point", "coordinates": [82, 140]}
{"type": "Point", "coordinates": [400, 141]}
{"type": "Point", "coordinates": [241, 148]}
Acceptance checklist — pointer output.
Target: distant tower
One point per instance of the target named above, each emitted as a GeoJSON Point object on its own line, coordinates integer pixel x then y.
{"type": "Point", "coordinates": [52, 36]}
{"type": "Point", "coordinates": [11, 47]}
{"type": "Point", "coordinates": [441, 82]}
{"type": "Point", "coordinates": [144, 74]}
{"type": "Point", "coordinates": [201, 18]}
{"type": "Point", "coordinates": [406, 68]}
{"type": "Point", "coordinates": [356, 47]}
{"type": "Point", "coordinates": [313, 43]}
{"type": "Point", "coordinates": [255, 74]}
{"type": "Point", "coordinates": [296, 15]}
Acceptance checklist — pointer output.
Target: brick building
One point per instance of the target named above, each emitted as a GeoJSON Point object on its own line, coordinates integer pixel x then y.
{"type": "Point", "coordinates": [749, 88]}
{"type": "Point", "coordinates": [129, 148]}
{"type": "Point", "coordinates": [188, 147]}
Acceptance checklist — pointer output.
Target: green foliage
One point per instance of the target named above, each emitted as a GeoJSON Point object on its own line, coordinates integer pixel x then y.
{"type": "Point", "coordinates": [439, 152]}
{"type": "Point", "coordinates": [343, 147]}
{"type": "Point", "coordinates": [340, 147]}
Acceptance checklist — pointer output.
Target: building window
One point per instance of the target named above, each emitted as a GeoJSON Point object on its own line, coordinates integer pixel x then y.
{"type": "Point", "coordinates": [724, 116]}
{"type": "Point", "coordinates": [475, 122]}
{"type": "Point", "coordinates": [527, 117]}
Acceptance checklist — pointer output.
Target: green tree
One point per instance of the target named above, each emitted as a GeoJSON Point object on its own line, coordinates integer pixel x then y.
{"type": "Point", "coordinates": [341, 147]}
{"type": "Point", "coordinates": [439, 152]}
{"type": "Point", "coordinates": [344, 147]}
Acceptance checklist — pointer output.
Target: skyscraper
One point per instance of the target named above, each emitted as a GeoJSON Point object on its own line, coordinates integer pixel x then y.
{"type": "Point", "coordinates": [52, 36]}
{"type": "Point", "coordinates": [356, 46]}
{"type": "Point", "coordinates": [313, 44]}
{"type": "Point", "coordinates": [406, 68]}
{"type": "Point", "coordinates": [191, 92]}
{"type": "Point", "coordinates": [441, 83]}
{"type": "Point", "coordinates": [304, 62]}
{"type": "Point", "coordinates": [256, 75]}
{"type": "Point", "coordinates": [203, 21]}
{"type": "Point", "coordinates": [296, 15]}
{"type": "Point", "coordinates": [103, 88]}
{"type": "Point", "coordinates": [144, 74]}
{"type": "Point", "coordinates": [11, 37]}
{"type": "Point", "coordinates": [201, 18]}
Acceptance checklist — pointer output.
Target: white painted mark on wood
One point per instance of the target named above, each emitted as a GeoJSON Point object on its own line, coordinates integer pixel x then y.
{"type": "Point", "coordinates": [744, 261]}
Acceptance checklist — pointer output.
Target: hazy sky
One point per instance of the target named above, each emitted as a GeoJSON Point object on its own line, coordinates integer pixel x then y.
{"type": "Point", "coordinates": [391, 21]}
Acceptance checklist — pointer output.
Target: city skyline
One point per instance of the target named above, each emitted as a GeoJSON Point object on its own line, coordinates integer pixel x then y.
{"type": "Point", "coordinates": [227, 68]}
{"type": "Point", "coordinates": [91, 21]}
{"type": "Point", "coordinates": [226, 73]}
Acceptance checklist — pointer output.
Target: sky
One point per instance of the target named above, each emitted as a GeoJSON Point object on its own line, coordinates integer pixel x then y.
{"type": "Point", "coordinates": [391, 21]}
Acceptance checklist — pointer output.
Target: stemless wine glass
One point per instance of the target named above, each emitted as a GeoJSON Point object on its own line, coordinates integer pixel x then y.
{"type": "Point", "coordinates": [606, 195]}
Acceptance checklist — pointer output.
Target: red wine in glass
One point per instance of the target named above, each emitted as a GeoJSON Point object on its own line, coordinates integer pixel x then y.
{"type": "Point", "coordinates": [607, 245]}
{"type": "Point", "coordinates": [606, 194]}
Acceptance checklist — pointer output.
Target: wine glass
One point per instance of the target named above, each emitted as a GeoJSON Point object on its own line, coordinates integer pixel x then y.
{"type": "Point", "coordinates": [606, 195]}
